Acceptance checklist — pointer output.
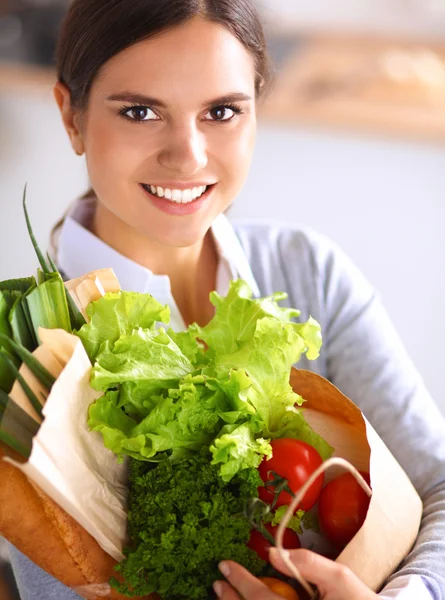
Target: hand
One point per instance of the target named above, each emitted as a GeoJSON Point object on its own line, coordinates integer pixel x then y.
{"type": "Point", "coordinates": [334, 581]}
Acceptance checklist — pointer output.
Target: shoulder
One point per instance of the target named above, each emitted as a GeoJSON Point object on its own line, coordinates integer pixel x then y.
{"type": "Point", "coordinates": [289, 244]}
{"type": "Point", "coordinates": [317, 274]}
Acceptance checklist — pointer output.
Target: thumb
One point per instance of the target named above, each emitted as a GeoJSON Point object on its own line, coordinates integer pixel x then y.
{"type": "Point", "coordinates": [313, 567]}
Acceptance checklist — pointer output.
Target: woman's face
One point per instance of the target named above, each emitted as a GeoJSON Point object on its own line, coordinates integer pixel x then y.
{"type": "Point", "coordinates": [172, 116]}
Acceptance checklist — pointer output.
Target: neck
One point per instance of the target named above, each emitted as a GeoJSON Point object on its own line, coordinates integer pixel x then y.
{"type": "Point", "coordinates": [191, 270]}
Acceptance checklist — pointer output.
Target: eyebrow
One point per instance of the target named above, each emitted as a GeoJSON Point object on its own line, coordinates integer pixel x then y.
{"type": "Point", "coordinates": [150, 101]}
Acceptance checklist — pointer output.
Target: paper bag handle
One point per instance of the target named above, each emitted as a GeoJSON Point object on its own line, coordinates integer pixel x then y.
{"type": "Point", "coordinates": [284, 555]}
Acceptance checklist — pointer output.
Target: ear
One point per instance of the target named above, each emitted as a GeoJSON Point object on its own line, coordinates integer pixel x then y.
{"type": "Point", "coordinates": [69, 116]}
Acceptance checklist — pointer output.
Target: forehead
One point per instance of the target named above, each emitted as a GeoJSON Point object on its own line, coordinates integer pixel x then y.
{"type": "Point", "coordinates": [200, 56]}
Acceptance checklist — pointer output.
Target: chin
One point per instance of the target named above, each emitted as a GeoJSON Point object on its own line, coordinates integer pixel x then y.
{"type": "Point", "coordinates": [178, 236]}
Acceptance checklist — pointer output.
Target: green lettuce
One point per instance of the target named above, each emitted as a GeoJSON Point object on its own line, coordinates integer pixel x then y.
{"type": "Point", "coordinates": [224, 387]}
{"type": "Point", "coordinates": [117, 314]}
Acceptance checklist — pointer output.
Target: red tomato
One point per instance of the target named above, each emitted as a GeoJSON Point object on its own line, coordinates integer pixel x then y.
{"type": "Point", "coordinates": [260, 545]}
{"type": "Point", "coordinates": [342, 509]}
{"type": "Point", "coordinates": [281, 588]}
{"type": "Point", "coordinates": [295, 461]}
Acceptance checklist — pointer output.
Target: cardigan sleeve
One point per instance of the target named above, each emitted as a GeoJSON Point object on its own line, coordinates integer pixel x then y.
{"type": "Point", "coordinates": [367, 361]}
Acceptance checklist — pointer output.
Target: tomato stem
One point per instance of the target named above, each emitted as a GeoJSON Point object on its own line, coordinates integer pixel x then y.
{"type": "Point", "coordinates": [280, 484]}
{"type": "Point", "coordinates": [256, 510]}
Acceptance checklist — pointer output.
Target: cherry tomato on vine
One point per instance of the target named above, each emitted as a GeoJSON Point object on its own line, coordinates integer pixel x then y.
{"type": "Point", "coordinates": [281, 588]}
{"type": "Point", "coordinates": [295, 461]}
{"type": "Point", "coordinates": [260, 545]}
{"type": "Point", "coordinates": [342, 509]}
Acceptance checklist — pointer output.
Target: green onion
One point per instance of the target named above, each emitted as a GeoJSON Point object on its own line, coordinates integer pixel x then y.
{"type": "Point", "coordinates": [77, 318]}
{"type": "Point", "coordinates": [47, 273]}
{"type": "Point", "coordinates": [17, 285]}
{"type": "Point", "coordinates": [43, 264]}
{"type": "Point", "coordinates": [37, 406]}
{"type": "Point", "coordinates": [22, 330]}
{"type": "Point", "coordinates": [52, 264]}
{"type": "Point", "coordinates": [6, 376]}
{"type": "Point", "coordinates": [28, 319]}
{"type": "Point", "coordinates": [5, 327]}
{"type": "Point", "coordinates": [48, 307]}
{"type": "Point", "coordinates": [19, 415]}
{"type": "Point", "coordinates": [34, 365]}
{"type": "Point", "coordinates": [17, 428]}
{"type": "Point", "coordinates": [14, 444]}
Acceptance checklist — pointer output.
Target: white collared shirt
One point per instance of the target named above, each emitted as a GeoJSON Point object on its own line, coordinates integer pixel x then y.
{"type": "Point", "coordinates": [92, 253]}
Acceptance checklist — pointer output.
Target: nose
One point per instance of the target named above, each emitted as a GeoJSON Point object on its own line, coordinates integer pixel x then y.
{"type": "Point", "coordinates": [185, 151]}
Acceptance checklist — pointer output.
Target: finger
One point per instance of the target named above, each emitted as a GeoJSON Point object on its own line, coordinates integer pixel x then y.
{"type": "Point", "coordinates": [225, 591]}
{"type": "Point", "coordinates": [334, 580]}
{"type": "Point", "coordinates": [313, 567]}
{"type": "Point", "coordinates": [249, 587]}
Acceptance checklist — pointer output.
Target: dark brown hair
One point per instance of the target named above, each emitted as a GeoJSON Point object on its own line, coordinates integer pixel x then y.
{"type": "Point", "coordinates": [96, 30]}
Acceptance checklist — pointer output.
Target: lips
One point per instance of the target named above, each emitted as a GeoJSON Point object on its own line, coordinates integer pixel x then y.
{"type": "Point", "coordinates": [182, 196]}
{"type": "Point", "coordinates": [177, 207]}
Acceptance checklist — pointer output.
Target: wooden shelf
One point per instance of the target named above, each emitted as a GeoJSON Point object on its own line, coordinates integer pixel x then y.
{"type": "Point", "coordinates": [378, 86]}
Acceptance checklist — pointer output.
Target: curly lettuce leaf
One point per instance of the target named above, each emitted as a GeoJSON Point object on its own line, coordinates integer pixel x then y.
{"type": "Point", "coordinates": [146, 358]}
{"type": "Point", "coordinates": [117, 314]}
{"type": "Point", "coordinates": [236, 449]}
{"type": "Point", "coordinates": [224, 386]}
{"type": "Point", "coordinates": [184, 420]}
{"type": "Point", "coordinates": [236, 318]}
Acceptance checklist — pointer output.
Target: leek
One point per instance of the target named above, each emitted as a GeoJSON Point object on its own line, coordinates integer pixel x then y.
{"type": "Point", "coordinates": [17, 428]}
{"type": "Point", "coordinates": [47, 273]}
{"type": "Point", "coordinates": [17, 285]}
{"type": "Point", "coordinates": [22, 330]}
{"type": "Point", "coordinates": [34, 365]}
{"type": "Point", "coordinates": [35, 403]}
{"type": "Point", "coordinates": [6, 377]}
{"type": "Point", "coordinates": [43, 263]}
{"type": "Point", "coordinates": [47, 305]}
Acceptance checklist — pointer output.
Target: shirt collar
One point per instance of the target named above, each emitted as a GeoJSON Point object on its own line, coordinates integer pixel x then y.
{"type": "Point", "coordinates": [80, 252]}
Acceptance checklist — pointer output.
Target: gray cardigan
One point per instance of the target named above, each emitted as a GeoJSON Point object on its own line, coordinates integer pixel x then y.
{"type": "Point", "coordinates": [362, 356]}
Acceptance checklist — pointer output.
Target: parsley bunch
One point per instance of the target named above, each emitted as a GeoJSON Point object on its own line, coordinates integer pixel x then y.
{"type": "Point", "coordinates": [183, 520]}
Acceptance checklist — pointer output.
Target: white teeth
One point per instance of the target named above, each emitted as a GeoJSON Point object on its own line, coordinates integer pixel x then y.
{"type": "Point", "coordinates": [187, 196]}
{"type": "Point", "coordinates": [178, 196]}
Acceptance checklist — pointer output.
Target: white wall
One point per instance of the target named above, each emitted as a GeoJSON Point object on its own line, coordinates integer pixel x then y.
{"type": "Point", "coordinates": [384, 202]}
{"type": "Point", "coordinates": [34, 149]}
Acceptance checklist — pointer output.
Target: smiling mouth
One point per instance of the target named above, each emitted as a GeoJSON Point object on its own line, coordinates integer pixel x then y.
{"type": "Point", "coordinates": [177, 196]}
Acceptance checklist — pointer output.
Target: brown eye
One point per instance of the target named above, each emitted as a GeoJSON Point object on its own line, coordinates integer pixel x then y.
{"type": "Point", "coordinates": [222, 113]}
{"type": "Point", "coordinates": [139, 113]}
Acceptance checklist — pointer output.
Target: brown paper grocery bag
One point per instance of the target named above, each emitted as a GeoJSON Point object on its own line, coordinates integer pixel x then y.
{"type": "Point", "coordinates": [44, 500]}
{"type": "Point", "coordinates": [395, 509]}
{"type": "Point", "coordinates": [57, 543]}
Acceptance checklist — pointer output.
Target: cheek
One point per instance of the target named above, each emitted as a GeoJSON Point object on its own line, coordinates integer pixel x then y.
{"type": "Point", "coordinates": [115, 152]}
{"type": "Point", "coordinates": [235, 151]}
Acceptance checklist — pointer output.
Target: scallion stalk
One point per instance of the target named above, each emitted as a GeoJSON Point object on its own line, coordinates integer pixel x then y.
{"type": "Point", "coordinates": [48, 307]}
{"type": "Point", "coordinates": [33, 364]}
{"type": "Point", "coordinates": [35, 403]}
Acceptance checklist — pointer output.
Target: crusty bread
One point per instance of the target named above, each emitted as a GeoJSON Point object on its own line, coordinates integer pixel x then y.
{"type": "Point", "coordinates": [46, 534]}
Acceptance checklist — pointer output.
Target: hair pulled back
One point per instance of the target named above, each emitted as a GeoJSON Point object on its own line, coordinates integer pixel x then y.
{"type": "Point", "coordinates": [94, 31]}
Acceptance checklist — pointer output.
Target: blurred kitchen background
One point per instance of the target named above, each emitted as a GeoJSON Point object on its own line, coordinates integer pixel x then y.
{"type": "Point", "coordinates": [351, 142]}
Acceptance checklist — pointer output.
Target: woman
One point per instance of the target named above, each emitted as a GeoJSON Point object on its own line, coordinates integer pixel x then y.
{"type": "Point", "coordinates": [161, 98]}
